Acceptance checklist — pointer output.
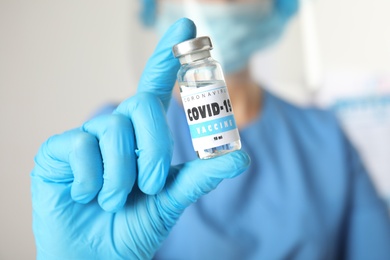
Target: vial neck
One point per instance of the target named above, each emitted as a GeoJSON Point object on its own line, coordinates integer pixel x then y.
{"type": "Point", "coordinates": [194, 56]}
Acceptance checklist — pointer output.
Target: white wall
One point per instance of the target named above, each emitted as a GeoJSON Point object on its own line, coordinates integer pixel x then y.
{"type": "Point", "coordinates": [352, 37]}
{"type": "Point", "coordinates": [60, 60]}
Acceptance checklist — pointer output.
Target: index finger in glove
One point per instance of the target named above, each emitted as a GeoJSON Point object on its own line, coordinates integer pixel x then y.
{"type": "Point", "coordinates": [159, 75]}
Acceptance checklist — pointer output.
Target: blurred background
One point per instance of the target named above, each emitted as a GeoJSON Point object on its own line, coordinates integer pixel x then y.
{"type": "Point", "coordinates": [62, 60]}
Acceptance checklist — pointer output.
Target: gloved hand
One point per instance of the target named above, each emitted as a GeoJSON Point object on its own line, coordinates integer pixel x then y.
{"type": "Point", "coordinates": [85, 201]}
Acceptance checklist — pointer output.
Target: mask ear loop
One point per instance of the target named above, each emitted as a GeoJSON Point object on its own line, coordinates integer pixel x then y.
{"type": "Point", "coordinates": [193, 11]}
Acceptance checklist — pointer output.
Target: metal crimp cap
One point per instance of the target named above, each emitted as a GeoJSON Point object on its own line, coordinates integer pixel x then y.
{"type": "Point", "coordinates": [194, 45]}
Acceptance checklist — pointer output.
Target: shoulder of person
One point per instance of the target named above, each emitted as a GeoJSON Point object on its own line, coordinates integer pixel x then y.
{"type": "Point", "coordinates": [309, 118]}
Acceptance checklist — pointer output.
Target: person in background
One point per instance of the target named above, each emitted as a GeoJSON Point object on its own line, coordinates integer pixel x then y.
{"type": "Point", "coordinates": [107, 190]}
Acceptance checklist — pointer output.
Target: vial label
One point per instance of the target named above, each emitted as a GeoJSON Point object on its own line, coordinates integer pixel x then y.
{"type": "Point", "coordinates": [209, 115]}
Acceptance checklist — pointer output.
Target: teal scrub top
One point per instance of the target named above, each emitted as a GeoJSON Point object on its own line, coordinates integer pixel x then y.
{"type": "Point", "coordinates": [306, 194]}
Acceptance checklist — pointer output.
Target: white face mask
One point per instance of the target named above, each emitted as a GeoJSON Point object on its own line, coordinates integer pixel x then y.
{"type": "Point", "coordinates": [237, 30]}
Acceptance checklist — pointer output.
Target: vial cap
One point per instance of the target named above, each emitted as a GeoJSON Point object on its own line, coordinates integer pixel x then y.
{"type": "Point", "coordinates": [194, 45]}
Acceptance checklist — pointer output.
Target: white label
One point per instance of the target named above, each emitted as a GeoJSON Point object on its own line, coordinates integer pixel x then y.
{"type": "Point", "coordinates": [210, 116]}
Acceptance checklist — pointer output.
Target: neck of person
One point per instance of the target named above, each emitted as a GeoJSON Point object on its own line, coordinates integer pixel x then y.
{"type": "Point", "coordinates": [245, 96]}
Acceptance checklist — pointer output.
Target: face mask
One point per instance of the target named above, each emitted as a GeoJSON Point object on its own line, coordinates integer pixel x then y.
{"type": "Point", "coordinates": [236, 30]}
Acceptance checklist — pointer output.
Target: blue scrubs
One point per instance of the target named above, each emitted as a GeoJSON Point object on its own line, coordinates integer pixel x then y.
{"type": "Point", "coordinates": [305, 196]}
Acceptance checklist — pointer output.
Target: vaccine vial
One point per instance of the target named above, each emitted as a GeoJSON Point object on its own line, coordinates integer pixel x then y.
{"type": "Point", "coordinates": [206, 99]}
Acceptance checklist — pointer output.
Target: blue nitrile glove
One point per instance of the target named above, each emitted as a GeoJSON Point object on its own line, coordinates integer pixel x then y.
{"type": "Point", "coordinates": [85, 203]}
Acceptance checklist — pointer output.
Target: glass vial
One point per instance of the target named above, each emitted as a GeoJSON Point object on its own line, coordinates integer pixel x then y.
{"type": "Point", "coordinates": [206, 99]}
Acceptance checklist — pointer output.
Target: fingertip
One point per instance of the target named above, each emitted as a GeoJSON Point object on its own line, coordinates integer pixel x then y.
{"type": "Point", "coordinates": [153, 183]}
{"type": "Point", "coordinates": [82, 198]}
{"type": "Point", "coordinates": [186, 27]}
{"type": "Point", "coordinates": [84, 192]}
{"type": "Point", "coordinates": [242, 158]}
{"type": "Point", "coordinates": [113, 195]}
{"type": "Point", "coordinates": [112, 202]}
{"type": "Point", "coordinates": [150, 188]}
{"type": "Point", "coordinates": [226, 166]}
{"type": "Point", "coordinates": [238, 161]}
{"type": "Point", "coordinates": [182, 30]}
